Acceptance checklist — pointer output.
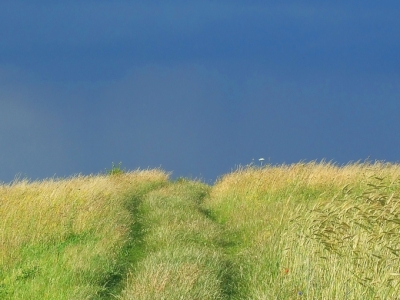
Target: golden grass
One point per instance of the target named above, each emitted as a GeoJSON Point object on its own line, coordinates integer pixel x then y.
{"type": "Point", "coordinates": [273, 178]}
{"type": "Point", "coordinates": [301, 231]}
{"type": "Point", "coordinates": [352, 237]}
{"type": "Point", "coordinates": [66, 229]}
{"type": "Point", "coordinates": [313, 230]}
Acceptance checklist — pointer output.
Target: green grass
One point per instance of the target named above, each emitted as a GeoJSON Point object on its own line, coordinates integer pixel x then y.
{"type": "Point", "coordinates": [65, 239]}
{"type": "Point", "coordinates": [313, 231]}
{"type": "Point", "coordinates": [301, 231]}
{"type": "Point", "coordinates": [184, 259]}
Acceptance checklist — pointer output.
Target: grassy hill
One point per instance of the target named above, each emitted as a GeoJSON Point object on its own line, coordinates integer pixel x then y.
{"type": "Point", "coordinates": [301, 231]}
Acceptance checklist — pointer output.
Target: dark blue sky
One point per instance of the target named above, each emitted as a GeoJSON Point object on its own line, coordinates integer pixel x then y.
{"type": "Point", "coordinates": [196, 87]}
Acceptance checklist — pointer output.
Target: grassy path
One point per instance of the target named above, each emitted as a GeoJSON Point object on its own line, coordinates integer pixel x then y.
{"type": "Point", "coordinates": [182, 251]}
{"type": "Point", "coordinates": [141, 236]}
{"type": "Point", "coordinates": [304, 231]}
{"type": "Point", "coordinates": [129, 236]}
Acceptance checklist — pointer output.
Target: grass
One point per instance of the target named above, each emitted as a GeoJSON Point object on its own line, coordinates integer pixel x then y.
{"type": "Point", "coordinates": [300, 231]}
{"type": "Point", "coordinates": [62, 239]}
{"type": "Point", "coordinates": [183, 257]}
{"type": "Point", "coordinates": [313, 231]}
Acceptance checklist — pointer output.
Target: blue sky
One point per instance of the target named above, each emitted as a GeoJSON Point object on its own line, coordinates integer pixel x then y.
{"type": "Point", "coordinates": [195, 87]}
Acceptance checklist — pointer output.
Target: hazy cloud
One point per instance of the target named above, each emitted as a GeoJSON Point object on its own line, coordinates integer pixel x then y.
{"type": "Point", "coordinates": [31, 144]}
{"type": "Point", "coordinates": [174, 116]}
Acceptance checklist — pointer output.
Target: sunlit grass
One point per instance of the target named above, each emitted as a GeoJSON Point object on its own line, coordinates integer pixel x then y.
{"type": "Point", "coordinates": [352, 243]}
{"type": "Point", "coordinates": [183, 258]}
{"type": "Point", "coordinates": [301, 231]}
{"type": "Point", "coordinates": [62, 239]}
{"type": "Point", "coordinates": [297, 227]}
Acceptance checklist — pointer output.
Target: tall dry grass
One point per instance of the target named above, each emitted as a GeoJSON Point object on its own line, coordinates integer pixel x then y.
{"type": "Point", "coordinates": [62, 238]}
{"type": "Point", "coordinates": [348, 246]}
{"type": "Point", "coordinates": [299, 229]}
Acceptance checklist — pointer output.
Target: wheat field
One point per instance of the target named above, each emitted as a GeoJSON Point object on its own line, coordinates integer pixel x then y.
{"type": "Point", "coordinates": [315, 230]}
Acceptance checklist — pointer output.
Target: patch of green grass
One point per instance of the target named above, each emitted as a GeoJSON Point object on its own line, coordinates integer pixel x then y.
{"type": "Point", "coordinates": [134, 249]}
{"type": "Point", "coordinates": [184, 259]}
{"type": "Point", "coordinates": [116, 169]}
